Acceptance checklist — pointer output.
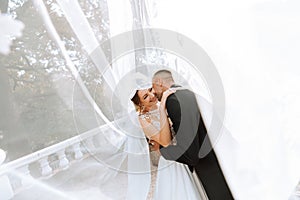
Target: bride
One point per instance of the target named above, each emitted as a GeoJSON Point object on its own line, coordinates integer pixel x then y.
{"type": "Point", "coordinates": [174, 180]}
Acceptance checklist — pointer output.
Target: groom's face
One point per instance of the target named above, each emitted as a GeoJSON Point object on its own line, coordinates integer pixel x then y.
{"type": "Point", "coordinates": [157, 90]}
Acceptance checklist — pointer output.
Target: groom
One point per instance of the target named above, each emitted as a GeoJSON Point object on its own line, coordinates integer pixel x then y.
{"type": "Point", "coordinates": [190, 132]}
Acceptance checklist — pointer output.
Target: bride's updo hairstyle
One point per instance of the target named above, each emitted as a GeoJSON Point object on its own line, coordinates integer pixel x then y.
{"type": "Point", "coordinates": [136, 101]}
{"type": "Point", "coordinates": [141, 82]}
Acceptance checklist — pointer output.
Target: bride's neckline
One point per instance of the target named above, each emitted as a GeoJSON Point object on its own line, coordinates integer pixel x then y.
{"type": "Point", "coordinates": [147, 115]}
{"type": "Point", "coordinates": [153, 110]}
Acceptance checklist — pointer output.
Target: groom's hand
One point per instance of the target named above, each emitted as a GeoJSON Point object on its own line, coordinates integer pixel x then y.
{"type": "Point", "coordinates": [154, 146]}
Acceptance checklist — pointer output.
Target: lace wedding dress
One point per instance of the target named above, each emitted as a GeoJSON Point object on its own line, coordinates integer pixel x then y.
{"type": "Point", "coordinates": [174, 180]}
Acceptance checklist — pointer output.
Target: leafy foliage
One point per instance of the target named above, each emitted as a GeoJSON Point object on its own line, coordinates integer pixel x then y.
{"type": "Point", "coordinates": [40, 90]}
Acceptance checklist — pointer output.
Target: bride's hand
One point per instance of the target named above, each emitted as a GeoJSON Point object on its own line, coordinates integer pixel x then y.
{"type": "Point", "coordinates": [165, 95]}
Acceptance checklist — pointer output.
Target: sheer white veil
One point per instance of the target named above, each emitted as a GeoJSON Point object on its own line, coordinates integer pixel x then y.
{"type": "Point", "coordinates": [139, 175]}
{"type": "Point", "coordinates": [253, 169]}
{"type": "Point", "coordinates": [248, 173]}
{"type": "Point", "coordinates": [136, 147]}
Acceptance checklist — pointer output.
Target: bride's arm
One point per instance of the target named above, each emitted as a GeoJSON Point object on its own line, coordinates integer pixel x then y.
{"type": "Point", "coordinates": [163, 136]}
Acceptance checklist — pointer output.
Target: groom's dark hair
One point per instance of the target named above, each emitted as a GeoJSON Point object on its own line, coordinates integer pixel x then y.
{"type": "Point", "coordinates": [164, 74]}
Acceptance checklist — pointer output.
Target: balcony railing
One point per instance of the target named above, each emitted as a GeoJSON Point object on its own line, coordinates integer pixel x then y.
{"type": "Point", "coordinates": [17, 175]}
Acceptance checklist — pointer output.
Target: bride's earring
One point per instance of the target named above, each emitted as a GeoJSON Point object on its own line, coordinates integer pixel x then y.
{"type": "Point", "coordinates": [142, 109]}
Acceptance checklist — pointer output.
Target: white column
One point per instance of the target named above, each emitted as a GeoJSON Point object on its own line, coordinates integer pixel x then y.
{"type": "Point", "coordinates": [77, 152]}
{"type": "Point", "coordinates": [46, 170]}
{"type": "Point", "coordinates": [63, 161]}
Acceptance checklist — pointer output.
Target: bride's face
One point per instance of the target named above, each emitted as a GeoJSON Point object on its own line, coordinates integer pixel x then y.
{"type": "Point", "coordinates": [147, 98]}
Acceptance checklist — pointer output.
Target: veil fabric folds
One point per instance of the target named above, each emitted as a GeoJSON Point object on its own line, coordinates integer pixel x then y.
{"type": "Point", "coordinates": [248, 173]}
{"type": "Point", "coordinates": [139, 174]}
{"type": "Point", "coordinates": [126, 157]}
{"type": "Point", "coordinates": [264, 168]}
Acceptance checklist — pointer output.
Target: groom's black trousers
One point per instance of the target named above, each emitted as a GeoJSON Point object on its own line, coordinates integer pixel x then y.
{"type": "Point", "coordinates": [209, 172]}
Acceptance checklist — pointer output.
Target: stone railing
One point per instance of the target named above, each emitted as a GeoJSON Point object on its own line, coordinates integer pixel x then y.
{"type": "Point", "coordinates": [20, 173]}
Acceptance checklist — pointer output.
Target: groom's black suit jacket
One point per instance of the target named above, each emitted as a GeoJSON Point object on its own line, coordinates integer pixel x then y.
{"type": "Point", "coordinates": [190, 132]}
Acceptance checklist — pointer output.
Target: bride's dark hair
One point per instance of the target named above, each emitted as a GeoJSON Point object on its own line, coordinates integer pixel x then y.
{"type": "Point", "coordinates": [136, 101]}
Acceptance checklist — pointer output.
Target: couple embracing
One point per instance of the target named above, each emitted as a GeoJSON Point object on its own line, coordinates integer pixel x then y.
{"type": "Point", "coordinates": [171, 121]}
